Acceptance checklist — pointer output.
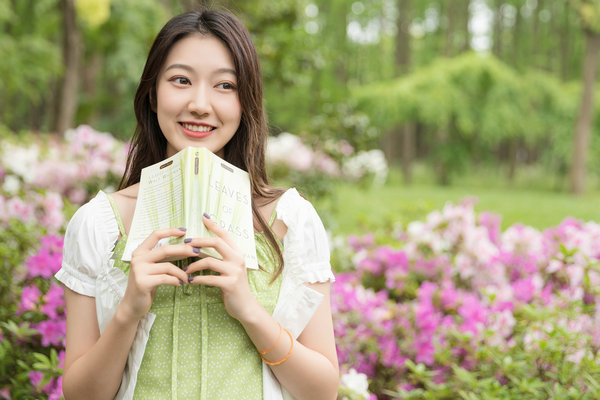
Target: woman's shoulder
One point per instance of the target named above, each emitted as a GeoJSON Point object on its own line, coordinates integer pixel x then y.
{"type": "Point", "coordinates": [292, 206]}
{"type": "Point", "coordinates": [93, 218]}
{"type": "Point", "coordinates": [125, 201]}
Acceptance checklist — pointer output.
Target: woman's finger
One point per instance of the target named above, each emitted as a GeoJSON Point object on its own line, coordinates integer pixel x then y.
{"type": "Point", "coordinates": [161, 269]}
{"type": "Point", "coordinates": [226, 251]}
{"type": "Point", "coordinates": [153, 281]}
{"type": "Point", "coordinates": [152, 240]}
{"type": "Point", "coordinates": [170, 252]}
{"type": "Point", "coordinates": [211, 263]}
{"type": "Point", "coordinates": [211, 280]}
{"type": "Point", "coordinates": [212, 226]}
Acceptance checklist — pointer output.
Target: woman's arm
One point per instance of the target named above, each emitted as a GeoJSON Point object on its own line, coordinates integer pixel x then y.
{"type": "Point", "coordinates": [95, 363]}
{"type": "Point", "coordinates": [311, 371]}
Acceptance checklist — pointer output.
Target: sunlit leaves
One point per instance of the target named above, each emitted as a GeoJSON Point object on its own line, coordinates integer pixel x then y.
{"type": "Point", "coordinates": [93, 12]}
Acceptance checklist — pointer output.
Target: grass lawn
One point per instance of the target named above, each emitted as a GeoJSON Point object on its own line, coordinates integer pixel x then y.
{"type": "Point", "coordinates": [356, 209]}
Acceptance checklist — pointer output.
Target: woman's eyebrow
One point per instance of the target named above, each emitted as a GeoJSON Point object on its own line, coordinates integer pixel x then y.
{"type": "Point", "coordinates": [188, 68]}
{"type": "Point", "coordinates": [226, 71]}
{"type": "Point", "coordinates": [181, 66]}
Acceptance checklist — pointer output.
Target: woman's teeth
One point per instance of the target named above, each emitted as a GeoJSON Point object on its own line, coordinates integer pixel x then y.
{"type": "Point", "coordinates": [197, 128]}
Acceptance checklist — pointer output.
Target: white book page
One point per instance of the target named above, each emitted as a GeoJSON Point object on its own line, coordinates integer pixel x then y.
{"type": "Point", "coordinates": [159, 204]}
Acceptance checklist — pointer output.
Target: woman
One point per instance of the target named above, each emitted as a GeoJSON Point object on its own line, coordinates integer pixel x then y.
{"type": "Point", "coordinates": [206, 328]}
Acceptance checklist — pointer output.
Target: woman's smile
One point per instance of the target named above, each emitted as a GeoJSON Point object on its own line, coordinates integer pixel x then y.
{"type": "Point", "coordinates": [196, 129]}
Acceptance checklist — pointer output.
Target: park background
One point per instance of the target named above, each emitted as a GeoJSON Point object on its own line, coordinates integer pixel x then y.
{"type": "Point", "coordinates": [451, 148]}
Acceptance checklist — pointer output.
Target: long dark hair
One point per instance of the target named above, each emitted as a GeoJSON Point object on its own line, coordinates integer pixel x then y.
{"type": "Point", "coordinates": [246, 149]}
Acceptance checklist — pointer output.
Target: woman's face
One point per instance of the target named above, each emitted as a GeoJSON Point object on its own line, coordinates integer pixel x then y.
{"type": "Point", "coordinates": [197, 101]}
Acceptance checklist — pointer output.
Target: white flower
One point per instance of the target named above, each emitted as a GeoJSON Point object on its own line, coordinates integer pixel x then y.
{"type": "Point", "coordinates": [289, 149]}
{"type": "Point", "coordinates": [11, 184]}
{"type": "Point", "coordinates": [20, 160]}
{"type": "Point", "coordinates": [356, 382]}
{"type": "Point", "coordinates": [367, 162]}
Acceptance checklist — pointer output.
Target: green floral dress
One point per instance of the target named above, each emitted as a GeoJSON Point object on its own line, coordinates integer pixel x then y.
{"type": "Point", "coordinates": [195, 349]}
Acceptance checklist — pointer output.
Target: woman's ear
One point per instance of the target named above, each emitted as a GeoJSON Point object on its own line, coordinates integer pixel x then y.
{"type": "Point", "coordinates": [153, 100]}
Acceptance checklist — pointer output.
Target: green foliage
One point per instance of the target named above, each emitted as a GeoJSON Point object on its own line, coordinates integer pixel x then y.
{"type": "Point", "coordinates": [477, 103]}
{"type": "Point", "coordinates": [516, 372]}
{"type": "Point", "coordinates": [589, 12]}
{"type": "Point", "coordinates": [31, 59]}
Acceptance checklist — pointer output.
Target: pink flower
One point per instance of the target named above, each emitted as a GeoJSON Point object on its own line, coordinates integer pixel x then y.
{"type": "Point", "coordinates": [474, 314]}
{"type": "Point", "coordinates": [48, 259]}
{"type": "Point", "coordinates": [425, 350]}
{"type": "Point", "coordinates": [492, 223]}
{"type": "Point", "coordinates": [55, 391]}
{"type": "Point", "coordinates": [449, 297]}
{"type": "Point", "coordinates": [17, 208]}
{"type": "Point", "coordinates": [53, 332]}
{"type": "Point", "coordinates": [523, 289]}
{"type": "Point", "coordinates": [29, 298]}
{"type": "Point", "coordinates": [35, 377]}
{"type": "Point", "coordinates": [54, 301]}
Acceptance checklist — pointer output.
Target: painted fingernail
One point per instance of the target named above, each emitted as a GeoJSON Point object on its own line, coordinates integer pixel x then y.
{"type": "Point", "coordinates": [196, 250]}
{"type": "Point", "coordinates": [187, 240]}
{"type": "Point", "coordinates": [180, 282]}
{"type": "Point", "coordinates": [183, 229]}
{"type": "Point", "coordinates": [190, 279]}
{"type": "Point", "coordinates": [206, 216]}
{"type": "Point", "coordinates": [184, 268]}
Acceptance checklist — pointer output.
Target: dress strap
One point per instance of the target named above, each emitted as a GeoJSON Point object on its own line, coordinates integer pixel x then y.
{"type": "Point", "coordinates": [272, 219]}
{"type": "Point", "coordinates": [117, 215]}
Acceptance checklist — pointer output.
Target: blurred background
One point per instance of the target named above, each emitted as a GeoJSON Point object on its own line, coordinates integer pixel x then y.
{"type": "Point", "coordinates": [450, 147]}
{"type": "Point", "coordinates": [481, 97]}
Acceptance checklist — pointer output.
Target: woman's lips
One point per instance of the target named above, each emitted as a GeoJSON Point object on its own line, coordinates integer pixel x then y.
{"type": "Point", "coordinates": [196, 130]}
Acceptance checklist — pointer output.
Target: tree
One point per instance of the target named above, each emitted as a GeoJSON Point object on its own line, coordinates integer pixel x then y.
{"type": "Point", "coordinates": [589, 12]}
{"type": "Point", "coordinates": [71, 57]}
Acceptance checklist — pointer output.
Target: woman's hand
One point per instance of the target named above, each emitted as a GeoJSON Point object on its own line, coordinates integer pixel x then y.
{"type": "Point", "coordinates": [232, 279]}
{"type": "Point", "coordinates": [146, 271]}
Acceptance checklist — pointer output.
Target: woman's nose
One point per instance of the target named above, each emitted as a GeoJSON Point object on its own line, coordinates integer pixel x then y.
{"type": "Point", "coordinates": [199, 103]}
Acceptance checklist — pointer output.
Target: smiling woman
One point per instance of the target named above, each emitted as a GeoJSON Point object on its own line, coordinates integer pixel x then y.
{"type": "Point", "coordinates": [134, 330]}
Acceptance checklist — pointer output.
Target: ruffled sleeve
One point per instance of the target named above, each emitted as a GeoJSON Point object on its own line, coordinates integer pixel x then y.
{"type": "Point", "coordinates": [305, 260]}
{"type": "Point", "coordinates": [89, 241]}
{"type": "Point", "coordinates": [305, 245]}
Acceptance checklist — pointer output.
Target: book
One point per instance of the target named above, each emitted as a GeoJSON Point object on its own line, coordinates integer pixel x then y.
{"type": "Point", "coordinates": [177, 191]}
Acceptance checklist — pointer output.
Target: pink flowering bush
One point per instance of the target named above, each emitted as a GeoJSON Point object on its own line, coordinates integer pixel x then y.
{"type": "Point", "coordinates": [44, 178]}
{"type": "Point", "coordinates": [458, 309]}
{"type": "Point", "coordinates": [73, 166]}
{"type": "Point", "coordinates": [33, 339]}
{"type": "Point", "coordinates": [313, 168]}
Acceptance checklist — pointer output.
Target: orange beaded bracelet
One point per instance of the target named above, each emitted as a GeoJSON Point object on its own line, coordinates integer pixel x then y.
{"type": "Point", "coordinates": [262, 353]}
{"type": "Point", "coordinates": [284, 358]}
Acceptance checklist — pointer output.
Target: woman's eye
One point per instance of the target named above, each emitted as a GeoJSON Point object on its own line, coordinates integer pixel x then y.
{"type": "Point", "coordinates": [180, 80]}
{"type": "Point", "coordinates": [226, 85]}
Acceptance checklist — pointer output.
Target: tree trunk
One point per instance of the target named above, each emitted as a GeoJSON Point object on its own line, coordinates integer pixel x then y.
{"type": "Point", "coordinates": [517, 43]}
{"type": "Point", "coordinates": [402, 137]}
{"type": "Point", "coordinates": [584, 119]}
{"type": "Point", "coordinates": [403, 37]}
{"type": "Point", "coordinates": [535, 42]}
{"type": "Point", "coordinates": [512, 158]}
{"type": "Point", "coordinates": [450, 27]}
{"type": "Point", "coordinates": [92, 69]}
{"type": "Point", "coordinates": [440, 164]}
{"type": "Point", "coordinates": [498, 29]}
{"type": "Point", "coordinates": [466, 17]}
{"type": "Point", "coordinates": [408, 150]}
{"type": "Point", "coordinates": [564, 43]}
{"type": "Point", "coordinates": [71, 58]}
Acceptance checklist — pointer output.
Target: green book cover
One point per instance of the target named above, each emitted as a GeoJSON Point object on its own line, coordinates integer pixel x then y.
{"type": "Point", "coordinates": [177, 191]}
